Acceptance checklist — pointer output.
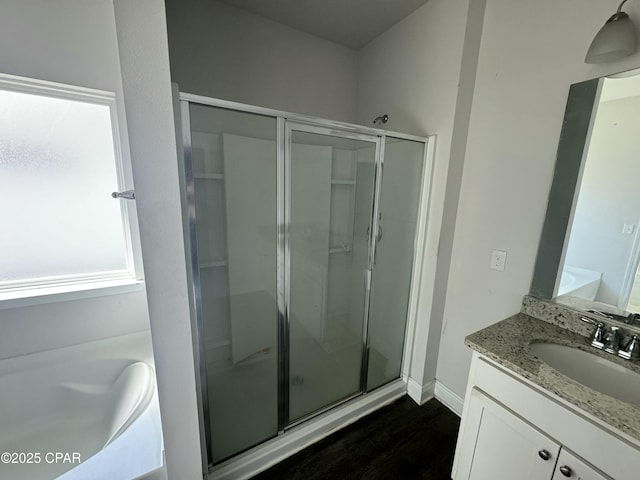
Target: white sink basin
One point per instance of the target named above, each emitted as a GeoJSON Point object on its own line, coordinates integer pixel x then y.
{"type": "Point", "coordinates": [592, 371]}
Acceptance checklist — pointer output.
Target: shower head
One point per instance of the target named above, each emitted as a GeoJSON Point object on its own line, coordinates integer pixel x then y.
{"type": "Point", "coordinates": [381, 119]}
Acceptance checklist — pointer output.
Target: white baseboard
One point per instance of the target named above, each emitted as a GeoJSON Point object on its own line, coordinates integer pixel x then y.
{"type": "Point", "coordinates": [449, 398]}
{"type": "Point", "coordinates": [248, 464]}
{"type": "Point", "coordinates": [420, 394]}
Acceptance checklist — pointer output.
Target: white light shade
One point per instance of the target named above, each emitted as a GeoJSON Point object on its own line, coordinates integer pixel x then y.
{"type": "Point", "coordinates": [615, 40]}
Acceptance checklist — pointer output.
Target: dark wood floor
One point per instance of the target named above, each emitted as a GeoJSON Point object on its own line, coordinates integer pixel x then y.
{"type": "Point", "coordinates": [400, 441]}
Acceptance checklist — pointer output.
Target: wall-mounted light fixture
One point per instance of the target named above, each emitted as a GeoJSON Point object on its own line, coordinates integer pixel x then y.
{"type": "Point", "coordinates": [615, 40]}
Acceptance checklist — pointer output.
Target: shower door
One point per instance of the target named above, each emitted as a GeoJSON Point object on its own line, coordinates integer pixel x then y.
{"type": "Point", "coordinates": [329, 197]}
{"type": "Point", "coordinates": [231, 171]}
{"type": "Point", "coordinates": [398, 205]}
{"type": "Point", "coordinates": [302, 240]}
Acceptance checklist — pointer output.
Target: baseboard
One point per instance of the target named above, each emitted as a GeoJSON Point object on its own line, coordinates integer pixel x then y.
{"type": "Point", "coordinates": [248, 464]}
{"type": "Point", "coordinates": [449, 398]}
{"type": "Point", "coordinates": [420, 394]}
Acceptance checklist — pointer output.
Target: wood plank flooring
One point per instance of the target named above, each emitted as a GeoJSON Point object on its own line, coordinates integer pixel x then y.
{"type": "Point", "coordinates": [401, 441]}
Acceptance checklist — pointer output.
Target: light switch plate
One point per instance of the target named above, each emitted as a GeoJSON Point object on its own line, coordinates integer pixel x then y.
{"type": "Point", "coordinates": [498, 260]}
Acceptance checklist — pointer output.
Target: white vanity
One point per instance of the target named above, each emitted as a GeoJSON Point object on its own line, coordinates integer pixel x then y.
{"type": "Point", "coordinates": [523, 419]}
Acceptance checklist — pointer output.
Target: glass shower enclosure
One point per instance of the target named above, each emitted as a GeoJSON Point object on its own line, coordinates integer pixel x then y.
{"type": "Point", "coordinates": [302, 243]}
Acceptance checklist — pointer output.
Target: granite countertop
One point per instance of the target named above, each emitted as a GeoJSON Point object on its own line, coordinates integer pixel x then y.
{"type": "Point", "coordinates": [507, 343]}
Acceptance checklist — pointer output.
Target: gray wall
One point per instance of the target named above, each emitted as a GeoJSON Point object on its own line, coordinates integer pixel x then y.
{"type": "Point", "coordinates": [530, 53]}
{"type": "Point", "coordinates": [223, 52]}
{"type": "Point", "coordinates": [501, 122]}
{"type": "Point", "coordinates": [415, 73]}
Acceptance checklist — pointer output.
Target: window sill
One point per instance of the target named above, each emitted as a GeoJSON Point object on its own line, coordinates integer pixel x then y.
{"type": "Point", "coordinates": [66, 293]}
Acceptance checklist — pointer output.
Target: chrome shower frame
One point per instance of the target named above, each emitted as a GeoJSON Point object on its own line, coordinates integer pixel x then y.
{"type": "Point", "coordinates": [287, 122]}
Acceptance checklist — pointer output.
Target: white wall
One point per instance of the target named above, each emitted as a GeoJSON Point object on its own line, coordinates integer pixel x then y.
{"type": "Point", "coordinates": [142, 41]}
{"type": "Point", "coordinates": [221, 51]}
{"type": "Point", "coordinates": [609, 197]}
{"type": "Point", "coordinates": [45, 326]}
{"type": "Point", "coordinates": [405, 73]}
{"type": "Point", "coordinates": [529, 55]}
{"type": "Point", "coordinates": [73, 42]}
{"type": "Point", "coordinates": [415, 73]}
{"type": "Point", "coordinates": [67, 41]}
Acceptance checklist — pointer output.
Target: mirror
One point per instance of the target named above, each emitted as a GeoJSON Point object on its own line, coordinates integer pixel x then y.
{"type": "Point", "coordinates": [590, 246]}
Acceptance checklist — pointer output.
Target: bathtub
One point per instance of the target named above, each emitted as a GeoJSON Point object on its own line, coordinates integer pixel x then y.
{"type": "Point", "coordinates": [82, 412]}
{"type": "Point", "coordinates": [579, 282]}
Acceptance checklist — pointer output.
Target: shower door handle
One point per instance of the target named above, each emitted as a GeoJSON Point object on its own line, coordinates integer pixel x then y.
{"type": "Point", "coordinates": [367, 279]}
{"type": "Point", "coordinates": [377, 239]}
{"type": "Point", "coordinates": [375, 248]}
{"type": "Point", "coordinates": [379, 236]}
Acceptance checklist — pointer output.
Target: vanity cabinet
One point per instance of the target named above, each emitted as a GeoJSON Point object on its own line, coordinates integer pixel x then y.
{"type": "Point", "coordinates": [570, 466]}
{"type": "Point", "coordinates": [498, 444]}
{"type": "Point", "coordinates": [513, 429]}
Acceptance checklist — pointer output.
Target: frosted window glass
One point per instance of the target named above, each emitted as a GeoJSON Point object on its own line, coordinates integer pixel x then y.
{"type": "Point", "coordinates": [57, 172]}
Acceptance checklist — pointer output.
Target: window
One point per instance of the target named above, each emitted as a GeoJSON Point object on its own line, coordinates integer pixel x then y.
{"type": "Point", "coordinates": [60, 160]}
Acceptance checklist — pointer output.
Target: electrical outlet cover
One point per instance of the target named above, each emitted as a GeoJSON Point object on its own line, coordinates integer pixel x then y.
{"type": "Point", "coordinates": [498, 260]}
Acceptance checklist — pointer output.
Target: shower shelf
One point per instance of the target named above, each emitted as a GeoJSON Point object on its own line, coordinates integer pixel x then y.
{"type": "Point", "coordinates": [335, 181]}
{"type": "Point", "coordinates": [213, 264]}
{"type": "Point", "coordinates": [208, 176]}
{"type": "Point", "coordinates": [217, 342]}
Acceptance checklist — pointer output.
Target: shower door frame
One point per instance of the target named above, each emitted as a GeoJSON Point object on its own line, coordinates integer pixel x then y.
{"type": "Point", "coordinates": [257, 454]}
{"type": "Point", "coordinates": [377, 141]}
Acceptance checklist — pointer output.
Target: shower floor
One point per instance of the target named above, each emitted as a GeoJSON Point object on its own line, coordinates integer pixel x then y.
{"type": "Point", "coordinates": [243, 397]}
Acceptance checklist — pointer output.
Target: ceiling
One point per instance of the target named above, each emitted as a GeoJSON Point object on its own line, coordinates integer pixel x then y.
{"type": "Point", "coordinates": [352, 23]}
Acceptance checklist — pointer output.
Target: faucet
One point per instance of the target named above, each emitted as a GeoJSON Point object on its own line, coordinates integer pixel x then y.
{"type": "Point", "coordinates": [611, 340]}
{"type": "Point", "coordinates": [598, 334]}
{"type": "Point", "coordinates": [631, 350]}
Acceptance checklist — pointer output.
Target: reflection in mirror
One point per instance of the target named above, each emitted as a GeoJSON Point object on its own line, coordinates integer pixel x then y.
{"type": "Point", "coordinates": [589, 250]}
{"type": "Point", "coordinates": [602, 251]}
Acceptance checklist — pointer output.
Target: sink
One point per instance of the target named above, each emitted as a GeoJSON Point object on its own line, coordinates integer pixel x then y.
{"type": "Point", "coordinates": [592, 371]}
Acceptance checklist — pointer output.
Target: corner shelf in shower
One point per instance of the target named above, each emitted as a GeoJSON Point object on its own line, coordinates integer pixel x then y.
{"type": "Point", "coordinates": [344, 249]}
{"type": "Point", "coordinates": [217, 343]}
{"type": "Point", "coordinates": [213, 264]}
{"type": "Point", "coordinates": [335, 181]}
{"type": "Point", "coordinates": [208, 176]}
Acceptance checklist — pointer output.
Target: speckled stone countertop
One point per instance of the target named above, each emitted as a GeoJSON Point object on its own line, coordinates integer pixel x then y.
{"type": "Point", "coordinates": [507, 343]}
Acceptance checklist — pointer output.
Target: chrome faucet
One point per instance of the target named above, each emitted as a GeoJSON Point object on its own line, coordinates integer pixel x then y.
{"type": "Point", "coordinates": [611, 340]}
{"type": "Point", "coordinates": [631, 350]}
{"type": "Point", "coordinates": [598, 334]}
